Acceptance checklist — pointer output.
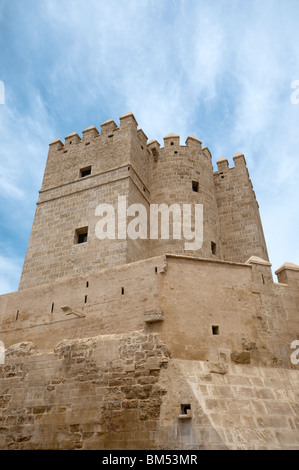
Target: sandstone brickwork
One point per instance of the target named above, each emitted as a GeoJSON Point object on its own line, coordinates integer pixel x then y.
{"type": "Point", "coordinates": [123, 163]}
{"type": "Point", "coordinates": [95, 393]}
{"type": "Point", "coordinates": [138, 344]}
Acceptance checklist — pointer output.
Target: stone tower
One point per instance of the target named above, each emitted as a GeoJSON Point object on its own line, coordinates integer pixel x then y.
{"type": "Point", "coordinates": [138, 343]}
{"type": "Point", "coordinates": [100, 167]}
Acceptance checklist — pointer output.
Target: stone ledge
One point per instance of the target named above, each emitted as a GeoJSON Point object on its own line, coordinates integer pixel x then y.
{"type": "Point", "coordinates": [153, 316]}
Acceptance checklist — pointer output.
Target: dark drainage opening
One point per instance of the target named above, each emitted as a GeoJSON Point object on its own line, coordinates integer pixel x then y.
{"type": "Point", "coordinates": [85, 172]}
{"type": "Point", "coordinates": [185, 408]}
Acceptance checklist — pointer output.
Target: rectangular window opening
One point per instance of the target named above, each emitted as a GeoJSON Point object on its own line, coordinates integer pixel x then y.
{"type": "Point", "coordinates": [122, 291]}
{"type": "Point", "coordinates": [17, 315]}
{"type": "Point", "coordinates": [195, 186]}
{"type": "Point", "coordinates": [85, 172]}
{"type": "Point", "coordinates": [52, 307]}
{"type": "Point", "coordinates": [81, 235]}
{"type": "Point", "coordinates": [213, 248]}
{"type": "Point", "coordinates": [87, 284]}
{"type": "Point", "coordinates": [215, 330]}
{"type": "Point", "coordinates": [85, 299]}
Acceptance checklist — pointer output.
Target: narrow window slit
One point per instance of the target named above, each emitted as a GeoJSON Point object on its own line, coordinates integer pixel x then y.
{"type": "Point", "coordinates": [17, 315]}
{"type": "Point", "coordinates": [195, 186]}
{"type": "Point", "coordinates": [85, 299]}
{"type": "Point", "coordinates": [122, 291]}
{"type": "Point", "coordinates": [215, 330]}
{"type": "Point", "coordinates": [52, 307]}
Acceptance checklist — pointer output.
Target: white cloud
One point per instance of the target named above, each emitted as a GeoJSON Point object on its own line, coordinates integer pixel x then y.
{"type": "Point", "coordinates": [24, 135]}
{"type": "Point", "coordinates": [24, 140]}
{"type": "Point", "coordinates": [158, 61]}
{"type": "Point", "coordinates": [174, 64]}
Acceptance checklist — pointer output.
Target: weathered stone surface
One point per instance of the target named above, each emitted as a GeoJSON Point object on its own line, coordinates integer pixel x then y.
{"type": "Point", "coordinates": [241, 357]}
{"type": "Point", "coordinates": [169, 349]}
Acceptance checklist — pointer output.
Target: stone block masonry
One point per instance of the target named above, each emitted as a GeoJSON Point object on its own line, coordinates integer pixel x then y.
{"type": "Point", "coordinates": [209, 336]}
{"type": "Point", "coordinates": [138, 343]}
{"type": "Point", "coordinates": [83, 173]}
{"type": "Point", "coordinates": [93, 393]}
{"type": "Point", "coordinates": [125, 392]}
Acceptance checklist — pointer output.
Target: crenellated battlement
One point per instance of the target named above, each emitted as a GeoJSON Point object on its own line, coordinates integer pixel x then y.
{"type": "Point", "coordinates": [90, 133]}
{"type": "Point", "coordinates": [239, 161]}
{"type": "Point", "coordinates": [108, 129]}
{"type": "Point", "coordinates": [128, 123]}
{"type": "Point", "coordinates": [172, 142]}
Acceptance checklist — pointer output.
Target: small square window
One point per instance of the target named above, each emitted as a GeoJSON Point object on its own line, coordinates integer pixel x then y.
{"type": "Point", "coordinates": [195, 186]}
{"type": "Point", "coordinates": [85, 172]}
{"type": "Point", "coordinates": [81, 235]}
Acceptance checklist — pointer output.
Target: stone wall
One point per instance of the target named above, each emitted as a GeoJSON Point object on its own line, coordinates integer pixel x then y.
{"type": "Point", "coordinates": [202, 309]}
{"type": "Point", "coordinates": [233, 407]}
{"type": "Point", "coordinates": [126, 392]}
{"type": "Point", "coordinates": [144, 368]}
{"type": "Point", "coordinates": [93, 393]}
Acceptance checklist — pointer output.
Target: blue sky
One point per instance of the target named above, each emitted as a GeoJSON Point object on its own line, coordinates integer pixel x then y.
{"type": "Point", "coordinates": [221, 70]}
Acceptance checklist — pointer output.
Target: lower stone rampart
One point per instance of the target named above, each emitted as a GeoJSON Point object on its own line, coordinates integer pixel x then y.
{"type": "Point", "coordinates": [166, 353]}
{"type": "Point", "coordinates": [126, 392]}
